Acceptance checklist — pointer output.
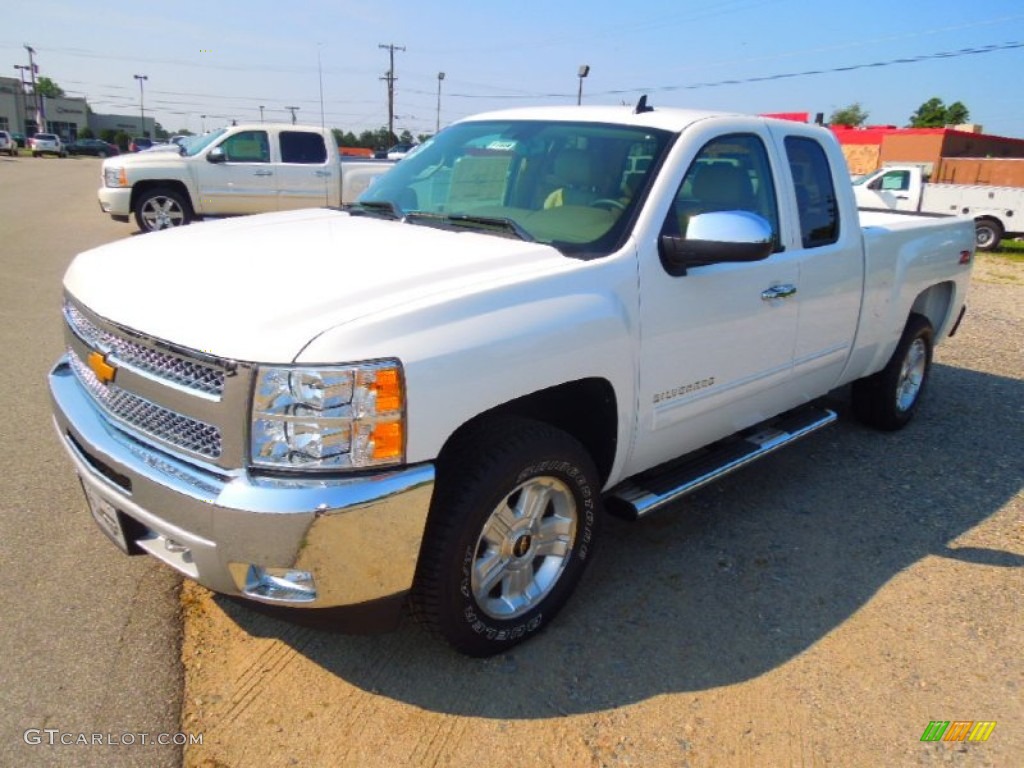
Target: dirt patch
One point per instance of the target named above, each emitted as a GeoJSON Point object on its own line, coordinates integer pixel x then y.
{"type": "Point", "coordinates": [819, 608]}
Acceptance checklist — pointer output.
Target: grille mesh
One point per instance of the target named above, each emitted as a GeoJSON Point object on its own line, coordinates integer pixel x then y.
{"type": "Point", "coordinates": [186, 373]}
{"type": "Point", "coordinates": [149, 418]}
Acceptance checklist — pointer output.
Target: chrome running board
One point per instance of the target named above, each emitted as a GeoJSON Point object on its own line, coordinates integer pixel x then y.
{"type": "Point", "coordinates": [662, 485]}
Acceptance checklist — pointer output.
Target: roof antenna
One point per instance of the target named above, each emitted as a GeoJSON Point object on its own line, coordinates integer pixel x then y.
{"type": "Point", "coordinates": [641, 106]}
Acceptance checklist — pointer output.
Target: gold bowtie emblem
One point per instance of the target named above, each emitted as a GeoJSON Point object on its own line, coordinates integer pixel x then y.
{"type": "Point", "coordinates": [104, 371]}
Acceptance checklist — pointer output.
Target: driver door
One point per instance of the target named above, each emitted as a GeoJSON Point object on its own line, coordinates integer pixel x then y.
{"type": "Point", "coordinates": [717, 342]}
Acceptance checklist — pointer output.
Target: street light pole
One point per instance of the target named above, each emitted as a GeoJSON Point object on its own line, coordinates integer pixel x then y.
{"type": "Point", "coordinates": [583, 71]}
{"type": "Point", "coordinates": [261, 113]}
{"type": "Point", "coordinates": [142, 101]}
{"type": "Point", "coordinates": [203, 118]}
{"type": "Point", "coordinates": [292, 109]}
{"type": "Point", "coordinates": [440, 77]}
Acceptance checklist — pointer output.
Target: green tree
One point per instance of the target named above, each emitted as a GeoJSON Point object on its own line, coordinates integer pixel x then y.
{"type": "Point", "coordinates": [160, 132]}
{"type": "Point", "coordinates": [86, 133]}
{"type": "Point", "coordinates": [934, 114]}
{"type": "Point", "coordinates": [852, 115]}
{"type": "Point", "coordinates": [122, 140]}
{"type": "Point", "coordinates": [109, 135]}
{"type": "Point", "coordinates": [46, 87]}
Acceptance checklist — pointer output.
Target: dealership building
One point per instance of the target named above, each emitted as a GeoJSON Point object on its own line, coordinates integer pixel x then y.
{"type": "Point", "coordinates": [67, 116]}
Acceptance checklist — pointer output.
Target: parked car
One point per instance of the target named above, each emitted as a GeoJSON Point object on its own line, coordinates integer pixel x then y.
{"type": "Point", "coordinates": [47, 144]}
{"type": "Point", "coordinates": [396, 152]}
{"type": "Point", "coordinates": [8, 144]}
{"type": "Point", "coordinates": [140, 143]}
{"type": "Point", "coordinates": [19, 137]}
{"type": "Point", "coordinates": [94, 147]}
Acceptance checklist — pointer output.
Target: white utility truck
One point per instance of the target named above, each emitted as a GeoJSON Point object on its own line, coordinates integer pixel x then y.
{"type": "Point", "coordinates": [998, 212]}
{"type": "Point", "coordinates": [539, 316]}
{"type": "Point", "coordinates": [243, 169]}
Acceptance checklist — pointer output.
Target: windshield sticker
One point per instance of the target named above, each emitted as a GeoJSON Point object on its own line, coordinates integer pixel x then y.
{"type": "Point", "coordinates": [503, 145]}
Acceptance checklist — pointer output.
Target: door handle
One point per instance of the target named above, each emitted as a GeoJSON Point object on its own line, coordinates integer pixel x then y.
{"type": "Point", "coordinates": [263, 173]}
{"type": "Point", "coordinates": [778, 292]}
{"type": "Point", "coordinates": [321, 173]}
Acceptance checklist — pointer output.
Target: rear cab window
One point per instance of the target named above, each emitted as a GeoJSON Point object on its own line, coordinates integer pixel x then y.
{"type": "Point", "coordinates": [816, 201]}
{"type": "Point", "coordinates": [303, 147]}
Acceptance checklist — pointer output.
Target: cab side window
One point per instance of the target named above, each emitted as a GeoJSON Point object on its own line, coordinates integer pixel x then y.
{"type": "Point", "coordinates": [247, 147]}
{"type": "Point", "coordinates": [303, 147]}
{"type": "Point", "coordinates": [815, 192]}
{"type": "Point", "coordinates": [730, 173]}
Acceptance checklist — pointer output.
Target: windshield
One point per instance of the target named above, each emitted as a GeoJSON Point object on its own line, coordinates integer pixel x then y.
{"type": "Point", "coordinates": [199, 143]}
{"type": "Point", "coordinates": [571, 185]}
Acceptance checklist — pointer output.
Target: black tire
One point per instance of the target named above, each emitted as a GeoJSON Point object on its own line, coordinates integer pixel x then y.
{"type": "Point", "coordinates": [988, 233]}
{"type": "Point", "coordinates": [508, 492]}
{"type": "Point", "coordinates": [888, 399]}
{"type": "Point", "coordinates": [161, 208]}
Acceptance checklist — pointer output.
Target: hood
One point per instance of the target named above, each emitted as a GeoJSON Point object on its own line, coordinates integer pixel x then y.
{"type": "Point", "coordinates": [260, 288]}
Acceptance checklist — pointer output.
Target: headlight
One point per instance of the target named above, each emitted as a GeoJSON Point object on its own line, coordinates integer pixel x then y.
{"type": "Point", "coordinates": [115, 177]}
{"type": "Point", "coordinates": [329, 418]}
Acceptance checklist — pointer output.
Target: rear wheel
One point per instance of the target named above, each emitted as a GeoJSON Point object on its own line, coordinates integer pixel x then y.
{"type": "Point", "coordinates": [161, 208]}
{"type": "Point", "coordinates": [514, 519]}
{"type": "Point", "coordinates": [888, 399]}
{"type": "Point", "coordinates": [987, 234]}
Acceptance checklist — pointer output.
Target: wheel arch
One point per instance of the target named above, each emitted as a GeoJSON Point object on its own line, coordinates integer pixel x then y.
{"type": "Point", "coordinates": [146, 185]}
{"type": "Point", "coordinates": [935, 304]}
{"type": "Point", "coordinates": [586, 409]}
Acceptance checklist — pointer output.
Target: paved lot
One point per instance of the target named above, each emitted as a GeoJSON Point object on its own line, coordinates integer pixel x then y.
{"type": "Point", "coordinates": [819, 608]}
{"type": "Point", "coordinates": [89, 641]}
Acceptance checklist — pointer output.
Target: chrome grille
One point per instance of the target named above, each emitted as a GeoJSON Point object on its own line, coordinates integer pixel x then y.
{"type": "Point", "coordinates": [149, 418]}
{"type": "Point", "coordinates": [190, 374]}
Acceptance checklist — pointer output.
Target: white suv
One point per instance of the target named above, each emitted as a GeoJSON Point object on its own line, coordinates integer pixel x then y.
{"type": "Point", "coordinates": [47, 144]}
{"type": "Point", "coordinates": [8, 144]}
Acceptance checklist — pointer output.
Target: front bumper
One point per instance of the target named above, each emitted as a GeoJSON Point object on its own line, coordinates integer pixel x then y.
{"type": "Point", "coordinates": [358, 537]}
{"type": "Point", "coordinates": [117, 201]}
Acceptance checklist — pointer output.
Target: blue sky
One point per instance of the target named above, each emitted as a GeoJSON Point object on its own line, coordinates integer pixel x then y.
{"type": "Point", "coordinates": [226, 58]}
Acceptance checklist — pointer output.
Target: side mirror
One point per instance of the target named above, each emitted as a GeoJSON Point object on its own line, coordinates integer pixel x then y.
{"type": "Point", "coordinates": [876, 184]}
{"type": "Point", "coordinates": [216, 155]}
{"type": "Point", "coordinates": [713, 238]}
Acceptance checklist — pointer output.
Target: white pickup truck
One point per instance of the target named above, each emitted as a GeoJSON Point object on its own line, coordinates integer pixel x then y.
{"type": "Point", "coordinates": [541, 315]}
{"type": "Point", "coordinates": [243, 169]}
{"type": "Point", "coordinates": [998, 212]}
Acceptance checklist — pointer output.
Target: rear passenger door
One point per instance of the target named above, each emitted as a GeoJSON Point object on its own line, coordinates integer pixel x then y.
{"type": "Point", "coordinates": [307, 176]}
{"type": "Point", "coordinates": [830, 257]}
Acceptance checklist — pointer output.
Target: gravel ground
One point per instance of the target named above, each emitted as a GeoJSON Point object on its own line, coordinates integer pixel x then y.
{"type": "Point", "coordinates": [817, 609]}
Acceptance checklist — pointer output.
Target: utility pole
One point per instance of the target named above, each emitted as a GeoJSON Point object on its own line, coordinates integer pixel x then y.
{"type": "Point", "coordinates": [390, 77]}
{"type": "Point", "coordinates": [292, 110]}
{"type": "Point", "coordinates": [40, 114]}
{"type": "Point", "coordinates": [261, 113]}
{"type": "Point", "coordinates": [142, 103]}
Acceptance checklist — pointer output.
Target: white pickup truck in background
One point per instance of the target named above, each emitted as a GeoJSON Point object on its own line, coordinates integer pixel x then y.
{"type": "Point", "coordinates": [539, 315]}
{"type": "Point", "coordinates": [998, 212]}
{"type": "Point", "coordinates": [243, 169]}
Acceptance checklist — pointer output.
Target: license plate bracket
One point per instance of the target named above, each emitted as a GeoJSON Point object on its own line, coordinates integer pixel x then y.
{"type": "Point", "coordinates": [108, 518]}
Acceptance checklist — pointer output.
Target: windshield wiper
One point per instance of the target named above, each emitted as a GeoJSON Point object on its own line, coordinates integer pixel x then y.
{"type": "Point", "coordinates": [384, 208]}
{"type": "Point", "coordinates": [493, 224]}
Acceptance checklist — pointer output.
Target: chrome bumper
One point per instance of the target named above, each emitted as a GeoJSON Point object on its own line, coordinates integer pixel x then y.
{"type": "Point", "coordinates": [359, 537]}
{"type": "Point", "coordinates": [117, 201]}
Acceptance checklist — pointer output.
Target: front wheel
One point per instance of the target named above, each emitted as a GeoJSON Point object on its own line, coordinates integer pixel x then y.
{"type": "Point", "coordinates": [513, 523]}
{"type": "Point", "coordinates": [161, 208]}
{"type": "Point", "coordinates": [888, 399]}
